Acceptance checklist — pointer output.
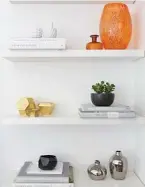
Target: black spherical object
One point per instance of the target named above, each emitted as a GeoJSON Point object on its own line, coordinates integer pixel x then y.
{"type": "Point", "coordinates": [47, 162]}
{"type": "Point", "coordinates": [102, 99]}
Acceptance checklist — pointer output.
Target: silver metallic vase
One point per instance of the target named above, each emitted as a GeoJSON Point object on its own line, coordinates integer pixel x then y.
{"type": "Point", "coordinates": [96, 171]}
{"type": "Point", "coordinates": [118, 166]}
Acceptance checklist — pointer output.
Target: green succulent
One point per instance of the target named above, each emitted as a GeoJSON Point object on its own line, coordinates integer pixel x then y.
{"type": "Point", "coordinates": [103, 87]}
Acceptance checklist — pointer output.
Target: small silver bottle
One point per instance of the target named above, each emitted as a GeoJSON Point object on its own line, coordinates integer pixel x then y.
{"type": "Point", "coordinates": [96, 171]}
{"type": "Point", "coordinates": [118, 166]}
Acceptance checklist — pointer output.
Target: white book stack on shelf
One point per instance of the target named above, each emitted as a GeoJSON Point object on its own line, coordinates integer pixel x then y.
{"type": "Point", "coordinates": [38, 44]}
{"type": "Point", "coordinates": [30, 175]}
{"type": "Point", "coordinates": [114, 111]}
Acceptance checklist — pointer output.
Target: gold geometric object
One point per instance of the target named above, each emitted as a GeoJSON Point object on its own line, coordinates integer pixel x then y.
{"type": "Point", "coordinates": [45, 109]}
{"type": "Point", "coordinates": [23, 113]}
{"type": "Point", "coordinates": [27, 107]}
{"type": "Point", "coordinates": [32, 113]}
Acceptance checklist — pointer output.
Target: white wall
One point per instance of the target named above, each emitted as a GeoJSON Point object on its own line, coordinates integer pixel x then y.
{"type": "Point", "coordinates": [140, 154]}
{"type": "Point", "coordinates": [65, 83]}
{"type": "Point", "coordinates": [140, 66]}
{"type": "Point", "coordinates": [139, 97]}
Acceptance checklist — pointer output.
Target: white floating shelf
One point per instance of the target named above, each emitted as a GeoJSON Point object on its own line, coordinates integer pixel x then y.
{"type": "Point", "coordinates": [70, 120]}
{"type": "Point", "coordinates": [81, 179]}
{"type": "Point", "coordinates": [46, 56]}
{"type": "Point", "coordinates": [131, 180]}
{"type": "Point", "coordinates": [69, 1]}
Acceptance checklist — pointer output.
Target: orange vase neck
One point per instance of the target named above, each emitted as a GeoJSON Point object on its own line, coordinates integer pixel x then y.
{"type": "Point", "coordinates": [94, 38]}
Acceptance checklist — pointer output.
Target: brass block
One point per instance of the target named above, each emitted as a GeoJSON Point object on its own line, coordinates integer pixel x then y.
{"type": "Point", "coordinates": [28, 113]}
{"type": "Point", "coordinates": [45, 109]}
{"type": "Point", "coordinates": [26, 104]}
{"type": "Point", "coordinates": [32, 113]}
{"type": "Point", "coordinates": [23, 113]}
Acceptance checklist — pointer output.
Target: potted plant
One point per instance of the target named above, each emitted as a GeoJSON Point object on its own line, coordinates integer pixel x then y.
{"type": "Point", "coordinates": [103, 95]}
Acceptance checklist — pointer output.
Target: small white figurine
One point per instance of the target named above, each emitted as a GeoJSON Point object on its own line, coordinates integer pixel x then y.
{"type": "Point", "coordinates": [38, 33]}
{"type": "Point", "coordinates": [53, 32]}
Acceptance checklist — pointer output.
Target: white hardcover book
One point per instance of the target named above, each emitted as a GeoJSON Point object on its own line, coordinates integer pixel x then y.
{"type": "Point", "coordinates": [43, 184]}
{"type": "Point", "coordinates": [114, 108]}
{"type": "Point", "coordinates": [42, 179]}
{"type": "Point", "coordinates": [24, 177]}
{"type": "Point", "coordinates": [38, 43]}
{"type": "Point", "coordinates": [130, 114]}
{"type": "Point", "coordinates": [34, 169]}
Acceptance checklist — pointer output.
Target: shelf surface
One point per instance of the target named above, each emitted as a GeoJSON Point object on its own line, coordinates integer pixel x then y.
{"type": "Point", "coordinates": [46, 56]}
{"type": "Point", "coordinates": [81, 179]}
{"type": "Point", "coordinates": [69, 1]}
{"type": "Point", "coordinates": [131, 180]}
{"type": "Point", "coordinates": [70, 120]}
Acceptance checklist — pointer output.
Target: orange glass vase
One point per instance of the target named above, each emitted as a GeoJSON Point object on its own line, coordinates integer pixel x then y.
{"type": "Point", "coordinates": [115, 26]}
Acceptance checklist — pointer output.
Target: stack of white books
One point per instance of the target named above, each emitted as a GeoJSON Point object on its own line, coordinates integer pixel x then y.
{"type": "Point", "coordinates": [30, 175]}
{"type": "Point", "coordinates": [38, 44]}
{"type": "Point", "coordinates": [115, 111]}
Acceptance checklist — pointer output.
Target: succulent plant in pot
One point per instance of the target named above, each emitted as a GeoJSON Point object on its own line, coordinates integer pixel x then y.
{"type": "Point", "coordinates": [103, 95]}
